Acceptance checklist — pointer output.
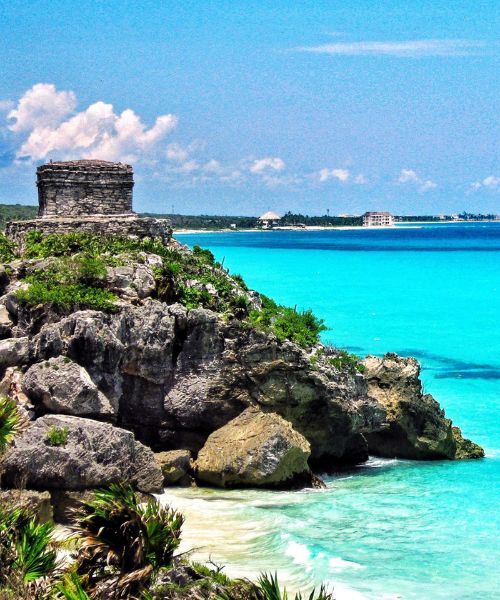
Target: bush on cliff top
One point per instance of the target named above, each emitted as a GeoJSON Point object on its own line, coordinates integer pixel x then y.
{"type": "Point", "coordinates": [75, 279]}
{"type": "Point", "coordinates": [303, 327]}
{"type": "Point", "coordinates": [69, 283]}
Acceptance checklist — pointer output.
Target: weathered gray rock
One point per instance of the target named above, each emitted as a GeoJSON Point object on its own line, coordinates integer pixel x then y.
{"type": "Point", "coordinates": [416, 425]}
{"type": "Point", "coordinates": [12, 386]}
{"type": "Point", "coordinates": [255, 449]}
{"type": "Point", "coordinates": [95, 454]}
{"type": "Point", "coordinates": [131, 281]}
{"type": "Point", "coordinates": [174, 464]}
{"type": "Point", "coordinates": [6, 323]}
{"type": "Point", "coordinates": [14, 352]}
{"type": "Point", "coordinates": [61, 386]}
{"type": "Point", "coordinates": [179, 375]}
{"type": "Point", "coordinates": [37, 503]}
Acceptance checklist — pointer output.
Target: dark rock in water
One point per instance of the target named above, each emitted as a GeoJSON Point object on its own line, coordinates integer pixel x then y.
{"type": "Point", "coordinates": [61, 386]}
{"type": "Point", "coordinates": [92, 455]}
{"type": "Point", "coordinates": [255, 449]}
{"type": "Point", "coordinates": [37, 503]}
{"type": "Point", "coordinates": [416, 425]}
{"type": "Point", "coordinates": [174, 464]}
{"type": "Point", "coordinates": [466, 448]}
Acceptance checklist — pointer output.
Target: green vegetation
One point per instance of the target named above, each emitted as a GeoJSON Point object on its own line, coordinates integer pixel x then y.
{"type": "Point", "coordinates": [268, 588]}
{"type": "Point", "coordinates": [73, 276]}
{"type": "Point", "coordinates": [57, 436]}
{"type": "Point", "coordinates": [16, 212]}
{"type": "Point", "coordinates": [119, 532]}
{"type": "Point", "coordinates": [346, 361]}
{"type": "Point", "coordinates": [26, 551]}
{"type": "Point", "coordinates": [303, 327]}
{"type": "Point", "coordinates": [10, 422]}
{"type": "Point", "coordinates": [124, 549]}
{"type": "Point", "coordinates": [7, 249]}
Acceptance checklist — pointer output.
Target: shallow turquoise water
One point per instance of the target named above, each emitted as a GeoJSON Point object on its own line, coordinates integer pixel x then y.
{"type": "Point", "coordinates": [394, 529]}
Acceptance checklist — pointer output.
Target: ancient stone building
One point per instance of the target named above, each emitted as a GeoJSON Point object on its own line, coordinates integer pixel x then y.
{"type": "Point", "coordinates": [84, 187]}
{"type": "Point", "coordinates": [92, 196]}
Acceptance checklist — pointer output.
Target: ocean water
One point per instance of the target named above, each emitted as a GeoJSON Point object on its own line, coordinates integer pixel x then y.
{"type": "Point", "coordinates": [390, 529]}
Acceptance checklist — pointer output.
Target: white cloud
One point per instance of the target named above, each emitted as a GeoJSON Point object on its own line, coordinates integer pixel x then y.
{"type": "Point", "coordinates": [408, 175]}
{"type": "Point", "coordinates": [401, 49]}
{"type": "Point", "coordinates": [96, 132]}
{"type": "Point", "coordinates": [340, 174]}
{"type": "Point", "coordinates": [427, 185]}
{"type": "Point", "coordinates": [491, 181]}
{"type": "Point", "coordinates": [267, 164]}
{"type": "Point", "coordinates": [360, 179]}
{"type": "Point", "coordinates": [41, 106]}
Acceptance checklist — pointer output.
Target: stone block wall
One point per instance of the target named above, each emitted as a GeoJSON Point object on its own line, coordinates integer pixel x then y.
{"type": "Point", "coordinates": [123, 225]}
{"type": "Point", "coordinates": [84, 188]}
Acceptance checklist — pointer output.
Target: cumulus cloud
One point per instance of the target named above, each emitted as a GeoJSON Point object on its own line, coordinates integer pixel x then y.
{"type": "Point", "coordinates": [267, 164]}
{"type": "Point", "coordinates": [410, 176]}
{"type": "Point", "coordinates": [41, 106]}
{"type": "Point", "coordinates": [491, 182]}
{"type": "Point", "coordinates": [54, 129]}
{"type": "Point", "coordinates": [339, 174]}
{"type": "Point", "coordinates": [400, 49]}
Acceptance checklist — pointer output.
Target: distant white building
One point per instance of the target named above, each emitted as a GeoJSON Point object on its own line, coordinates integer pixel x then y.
{"type": "Point", "coordinates": [269, 220]}
{"type": "Point", "coordinates": [378, 219]}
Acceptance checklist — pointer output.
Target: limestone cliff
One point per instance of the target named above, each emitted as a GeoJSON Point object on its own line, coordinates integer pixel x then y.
{"type": "Point", "coordinates": [163, 342]}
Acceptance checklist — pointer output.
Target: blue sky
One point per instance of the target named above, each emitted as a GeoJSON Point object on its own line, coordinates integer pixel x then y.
{"type": "Point", "coordinates": [238, 107]}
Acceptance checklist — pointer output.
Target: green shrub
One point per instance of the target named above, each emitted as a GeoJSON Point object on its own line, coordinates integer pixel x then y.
{"type": "Point", "coordinates": [346, 361]}
{"type": "Point", "coordinates": [192, 297]}
{"type": "Point", "coordinates": [71, 587]}
{"type": "Point", "coordinates": [10, 422]}
{"type": "Point", "coordinates": [57, 436]}
{"type": "Point", "coordinates": [25, 547]}
{"type": "Point", "coordinates": [7, 249]}
{"type": "Point", "coordinates": [303, 327]}
{"type": "Point", "coordinates": [131, 538]}
{"type": "Point", "coordinates": [204, 254]}
{"type": "Point", "coordinates": [67, 297]}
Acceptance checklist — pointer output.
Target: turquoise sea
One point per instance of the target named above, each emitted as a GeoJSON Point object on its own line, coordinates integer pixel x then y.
{"type": "Point", "coordinates": [390, 529]}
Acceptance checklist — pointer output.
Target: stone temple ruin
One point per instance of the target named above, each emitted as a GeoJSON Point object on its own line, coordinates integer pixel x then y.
{"type": "Point", "coordinates": [90, 196]}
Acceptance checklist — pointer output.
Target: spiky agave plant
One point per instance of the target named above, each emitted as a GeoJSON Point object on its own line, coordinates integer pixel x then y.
{"type": "Point", "coordinates": [27, 555]}
{"type": "Point", "coordinates": [268, 588]}
{"type": "Point", "coordinates": [11, 422]}
{"type": "Point", "coordinates": [123, 537]}
{"type": "Point", "coordinates": [70, 587]}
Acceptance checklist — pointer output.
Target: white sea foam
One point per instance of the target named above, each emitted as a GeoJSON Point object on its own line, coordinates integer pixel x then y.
{"type": "Point", "coordinates": [299, 553]}
{"type": "Point", "coordinates": [340, 564]}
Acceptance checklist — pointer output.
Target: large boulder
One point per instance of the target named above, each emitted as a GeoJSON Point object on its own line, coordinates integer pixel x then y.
{"type": "Point", "coordinates": [174, 464]}
{"type": "Point", "coordinates": [88, 454]}
{"type": "Point", "coordinates": [61, 386]}
{"type": "Point", "coordinates": [255, 449]}
{"type": "Point", "coordinates": [416, 426]}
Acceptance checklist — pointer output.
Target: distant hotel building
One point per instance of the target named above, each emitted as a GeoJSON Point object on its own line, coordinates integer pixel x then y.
{"type": "Point", "coordinates": [378, 219]}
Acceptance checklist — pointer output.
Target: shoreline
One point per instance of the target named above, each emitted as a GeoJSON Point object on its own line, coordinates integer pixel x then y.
{"type": "Point", "coordinates": [397, 227]}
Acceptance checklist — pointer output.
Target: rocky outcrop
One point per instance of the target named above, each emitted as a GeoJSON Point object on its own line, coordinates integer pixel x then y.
{"type": "Point", "coordinates": [90, 454]}
{"type": "Point", "coordinates": [255, 449]}
{"type": "Point", "coordinates": [61, 386]}
{"type": "Point", "coordinates": [416, 425]}
{"type": "Point", "coordinates": [177, 376]}
{"type": "Point", "coordinates": [175, 466]}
